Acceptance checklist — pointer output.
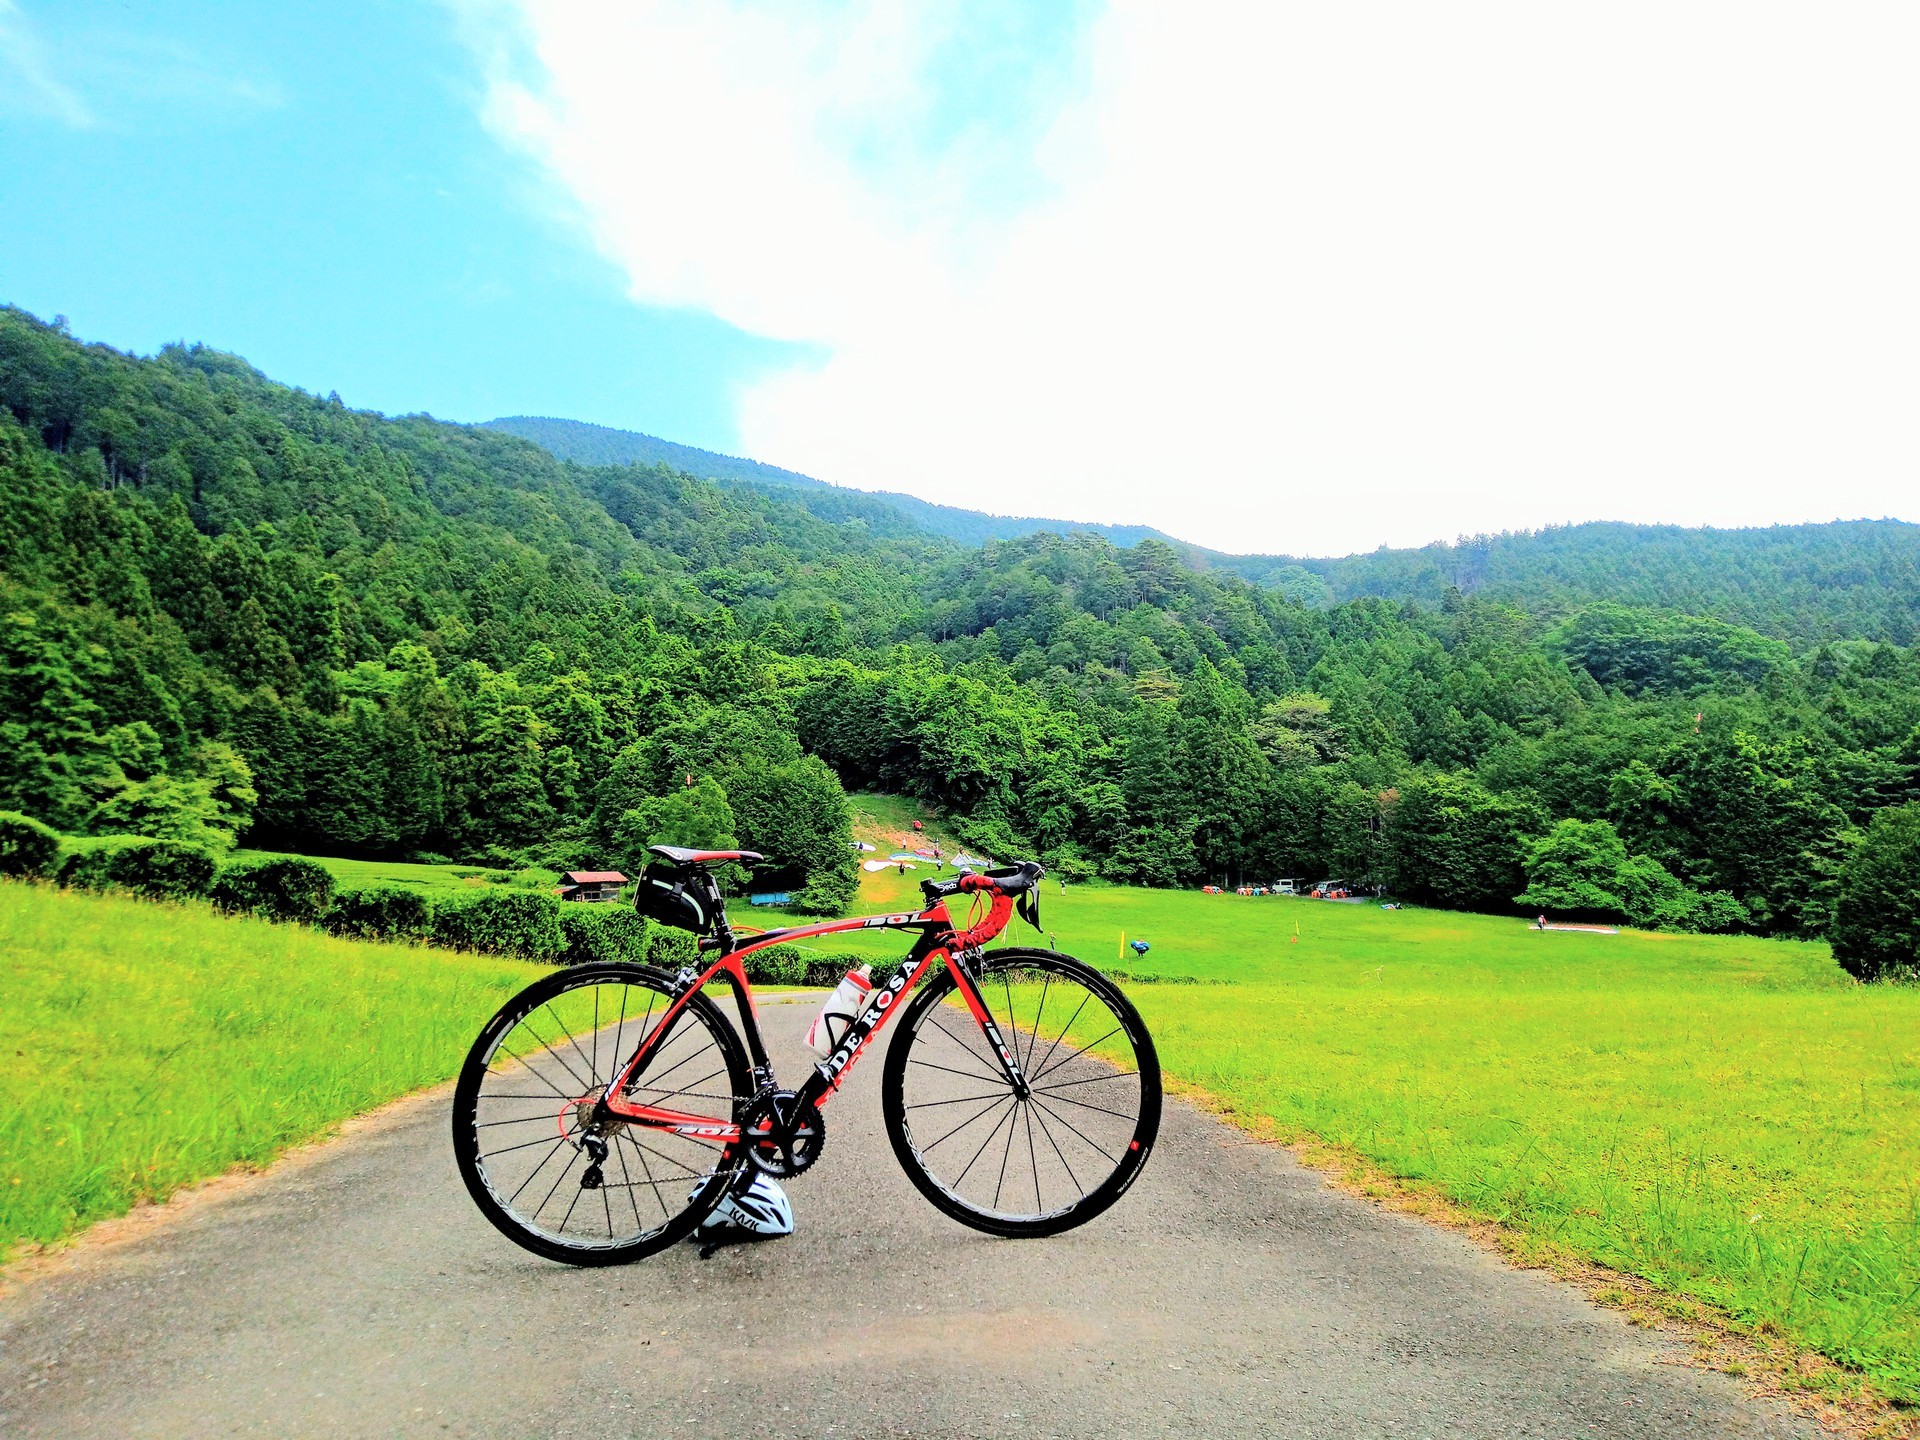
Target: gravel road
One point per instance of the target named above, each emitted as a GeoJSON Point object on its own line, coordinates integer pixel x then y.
{"type": "Point", "coordinates": [356, 1292]}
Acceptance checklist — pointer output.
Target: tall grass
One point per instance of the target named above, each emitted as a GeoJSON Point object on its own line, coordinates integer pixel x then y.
{"type": "Point", "coordinates": [1730, 1118]}
{"type": "Point", "coordinates": [145, 1046]}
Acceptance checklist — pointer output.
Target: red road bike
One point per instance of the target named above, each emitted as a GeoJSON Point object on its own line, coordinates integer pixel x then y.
{"type": "Point", "coordinates": [605, 1110]}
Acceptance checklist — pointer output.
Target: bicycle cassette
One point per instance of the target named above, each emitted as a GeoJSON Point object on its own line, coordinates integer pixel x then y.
{"type": "Point", "coordinates": [784, 1134]}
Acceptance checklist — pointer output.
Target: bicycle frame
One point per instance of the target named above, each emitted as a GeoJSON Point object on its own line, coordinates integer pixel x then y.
{"type": "Point", "coordinates": [938, 940]}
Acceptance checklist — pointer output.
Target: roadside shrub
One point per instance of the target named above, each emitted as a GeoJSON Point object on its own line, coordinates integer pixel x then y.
{"type": "Point", "coordinates": [599, 933]}
{"type": "Point", "coordinates": [521, 923]}
{"type": "Point", "coordinates": [1876, 924]}
{"type": "Point", "coordinates": [380, 912]}
{"type": "Point", "coordinates": [669, 949]}
{"type": "Point", "coordinates": [86, 868]}
{"type": "Point", "coordinates": [288, 888]}
{"type": "Point", "coordinates": [1710, 912]}
{"type": "Point", "coordinates": [27, 848]}
{"type": "Point", "coordinates": [790, 965]}
{"type": "Point", "coordinates": [778, 965]}
{"type": "Point", "coordinates": [158, 869]}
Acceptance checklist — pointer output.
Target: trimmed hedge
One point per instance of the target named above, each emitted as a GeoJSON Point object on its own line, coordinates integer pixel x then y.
{"type": "Point", "coordinates": [158, 869]}
{"type": "Point", "coordinates": [790, 965]}
{"type": "Point", "coordinates": [521, 923]}
{"type": "Point", "coordinates": [28, 849]}
{"type": "Point", "coordinates": [598, 933]}
{"type": "Point", "coordinates": [288, 888]}
{"type": "Point", "coordinates": [380, 912]}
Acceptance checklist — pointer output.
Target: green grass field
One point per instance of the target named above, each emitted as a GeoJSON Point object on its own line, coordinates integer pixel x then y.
{"type": "Point", "coordinates": [146, 1046]}
{"type": "Point", "coordinates": [359, 874]}
{"type": "Point", "coordinates": [1730, 1118]}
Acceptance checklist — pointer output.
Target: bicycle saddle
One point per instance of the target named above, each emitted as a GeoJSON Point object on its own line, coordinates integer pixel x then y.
{"type": "Point", "coordinates": [680, 855]}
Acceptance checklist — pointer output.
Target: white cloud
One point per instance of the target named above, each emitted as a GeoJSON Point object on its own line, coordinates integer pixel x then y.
{"type": "Point", "coordinates": [1302, 277]}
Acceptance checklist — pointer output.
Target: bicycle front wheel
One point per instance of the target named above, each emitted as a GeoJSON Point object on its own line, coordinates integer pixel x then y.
{"type": "Point", "coordinates": [1033, 1164]}
{"type": "Point", "coordinates": [537, 1163]}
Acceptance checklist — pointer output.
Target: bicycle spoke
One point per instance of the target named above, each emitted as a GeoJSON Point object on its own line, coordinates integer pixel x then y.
{"type": "Point", "coordinates": [1039, 1014]}
{"type": "Point", "coordinates": [571, 1205]}
{"type": "Point", "coordinates": [1058, 1151]}
{"type": "Point", "coordinates": [627, 1177]}
{"type": "Point", "coordinates": [983, 1146]}
{"type": "Point", "coordinates": [971, 1052]}
{"type": "Point", "coordinates": [1077, 1131]}
{"type": "Point", "coordinates": [528, 1067]}
{"type": "Point", "coordinates": [688, 1089]}
{"type": "Point", "coordinates": [1078, 1053]}
{"type": "Point", "coordinates": [1069, 1030]}
{"type": "Point", "coordinates": [967, 1074]}
{"type": "Point", "coordinates": [647, 1170]}
{"type": "Point", "coordinates": [932, 1104]}
{"type": "Point", "coordinates": [552, 1054]}
{"type": "Point", "coordinates": [663, 1159]}
{"type": "Point", "coordinates": [1069, 1100]}
{"type": "Point", "coordinates": [1090, 1080]}
{"type": "Point", "coordinates": [1033, 1158]}
{"type": "Point", "coordinates": [968, 1121]}
{"type": "Point", "coordinates": [536, 1170]}
{"type": "Point", "coordinates": [607, 1201]}
{"type": "Point", "coordinates": [1006, 1155]}
{"type": "Point", "coordinates": [593, 1071]}
{"type": "Point", "coordinates": [509, 1149]}
{"type": "Point", "coordinates": [564, 1170]}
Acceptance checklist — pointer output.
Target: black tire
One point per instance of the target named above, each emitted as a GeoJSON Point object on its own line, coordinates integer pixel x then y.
{"type": "Point", "coordinates": [937, 1037]}
{"type": "Point", "coordinates": [546, 1084]}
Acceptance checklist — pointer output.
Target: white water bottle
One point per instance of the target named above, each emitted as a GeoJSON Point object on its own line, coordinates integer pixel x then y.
{"type": "Point", "coordinates": [844, 1006]}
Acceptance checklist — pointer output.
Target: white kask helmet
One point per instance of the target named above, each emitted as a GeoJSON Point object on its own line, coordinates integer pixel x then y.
{"type": "Point", "coordinates": [761, 1207]}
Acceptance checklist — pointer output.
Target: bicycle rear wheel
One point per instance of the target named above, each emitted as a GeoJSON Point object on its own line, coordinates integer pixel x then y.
{"type": "Point", "coordinates": [1023, 1165]}
{"type": "Point", "coordinates": [523, 1133]}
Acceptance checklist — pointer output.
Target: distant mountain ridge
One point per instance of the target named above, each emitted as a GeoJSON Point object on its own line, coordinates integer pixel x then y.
{"type": "Point", "coordinates": [589, 444]}
{"type": "Point", "coordinates": [1807, 583]}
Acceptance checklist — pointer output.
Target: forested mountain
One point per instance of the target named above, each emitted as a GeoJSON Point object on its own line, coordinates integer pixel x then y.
{"type": "Point", "coordinates": [602, 445]}
{"type": "Point", "coordinates": [230, 606]}
{"type": "Point", "coordinates": [1805, 583]}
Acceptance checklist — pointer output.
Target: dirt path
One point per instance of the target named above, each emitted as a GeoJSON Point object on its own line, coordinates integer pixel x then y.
{"type": "Point", "coordinates": [358, 1293]}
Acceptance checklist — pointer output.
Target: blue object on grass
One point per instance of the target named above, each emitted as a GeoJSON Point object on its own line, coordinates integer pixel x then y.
{"type": "Point", "coordinates": [1139, 947]}
{"type": "Point", "coordinates": [772, 897]}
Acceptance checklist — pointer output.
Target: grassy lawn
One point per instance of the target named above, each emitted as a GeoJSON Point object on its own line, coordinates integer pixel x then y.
{"type": "Point", "coordinates": [359, 874]}
{"type": "Point", "coordinates": [1730, 1118]}
{"type": "Point", "coordinates": [146, 1046]}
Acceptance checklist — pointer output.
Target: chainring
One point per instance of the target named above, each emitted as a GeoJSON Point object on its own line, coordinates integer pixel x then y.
{"type": "Point", "coordinates": [784, 1134]}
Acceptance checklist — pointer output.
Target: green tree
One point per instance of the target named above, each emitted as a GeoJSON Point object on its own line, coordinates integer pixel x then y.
{"type": "Point", "coordinates": [1876, 924]}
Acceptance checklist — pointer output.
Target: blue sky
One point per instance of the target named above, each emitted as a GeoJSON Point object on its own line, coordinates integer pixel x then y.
{"type": "Point", "coordinates": [1292, 277]}
{"type": "Point", "coordinates": [311, 187]}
